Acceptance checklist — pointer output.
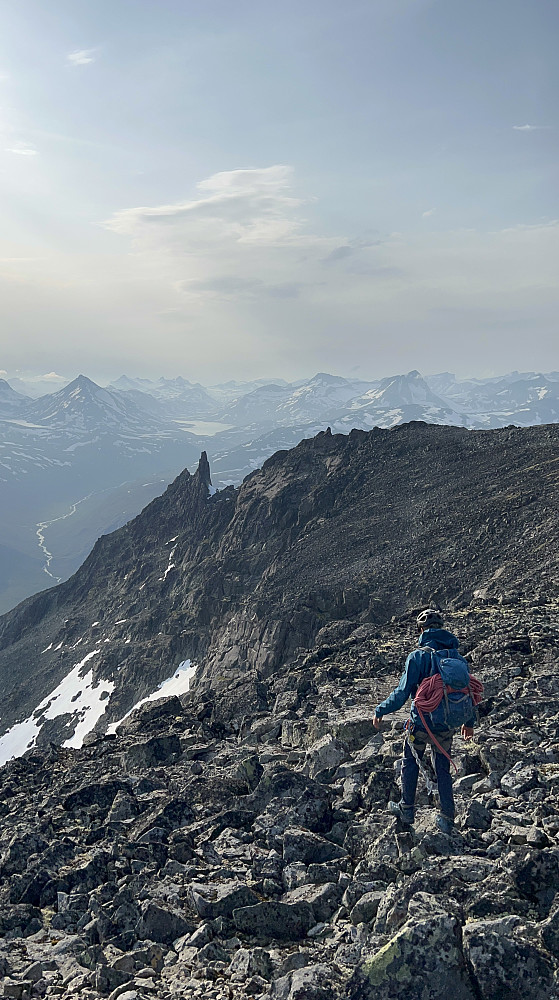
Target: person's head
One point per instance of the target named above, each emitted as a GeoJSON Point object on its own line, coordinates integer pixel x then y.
{"type": "Point", "coordinates": [430, 618]}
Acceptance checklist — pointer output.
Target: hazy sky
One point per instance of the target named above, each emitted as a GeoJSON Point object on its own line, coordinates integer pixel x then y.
{"type": "Point", "coordinates": [237, 188]}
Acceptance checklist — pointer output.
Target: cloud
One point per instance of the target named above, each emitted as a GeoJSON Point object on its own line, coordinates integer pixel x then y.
{"type": "Point", "coordinates": [81, 57]}
{"type": "Point", "coordinates": [235, 278]}
{"type": "Point", "coordinates": [243, 239]}
{"type": "Point", "coordinates": [240, 207]}
{"type": "Point", "coordinates": [530, 128]}
{"type": "Point", "coordinates": [22, 150]}
{"type": "Point", "coordinates": [428, 213]}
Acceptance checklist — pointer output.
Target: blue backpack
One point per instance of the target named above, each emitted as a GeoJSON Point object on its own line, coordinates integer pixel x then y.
{"type": "Point", "coordinates": [456, 707]}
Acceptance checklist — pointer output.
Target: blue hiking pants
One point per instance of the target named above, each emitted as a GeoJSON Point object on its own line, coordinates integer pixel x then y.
{"type": "Point", "coordinates": [410, 771]}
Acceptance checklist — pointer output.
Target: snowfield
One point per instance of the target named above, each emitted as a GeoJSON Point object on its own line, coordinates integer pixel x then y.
{"type": "Point", "coordinates": [76, 695]}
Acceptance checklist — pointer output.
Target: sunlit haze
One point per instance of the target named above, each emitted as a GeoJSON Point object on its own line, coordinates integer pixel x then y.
{"type": "Point", "coordinates": [259, 188]}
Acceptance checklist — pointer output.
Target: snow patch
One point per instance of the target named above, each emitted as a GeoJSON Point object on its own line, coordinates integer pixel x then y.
{"type": "Point", "coordinates": [170, 564]}
{"type": "Point", "coordinates": [77, 695]}
{"type": "Point", "coordinates": [177, 684]}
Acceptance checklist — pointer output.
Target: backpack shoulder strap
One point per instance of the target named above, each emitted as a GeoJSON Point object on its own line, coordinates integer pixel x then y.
{"type": "Point", "coordinates": [434, 658]}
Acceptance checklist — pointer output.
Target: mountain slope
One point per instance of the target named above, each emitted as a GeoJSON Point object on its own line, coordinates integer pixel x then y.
{"type": "Point", "coordinates": [180, 398]}
{"type": "Point", "coordinates": [56, 452]}
{"type": "Point", "coordinates": [10, 401]}
{"type": "Point", "coordinates": [238, 581]}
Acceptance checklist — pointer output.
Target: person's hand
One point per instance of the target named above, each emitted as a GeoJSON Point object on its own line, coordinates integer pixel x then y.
{"type": "Point", "coordinates": [467, 732]}
{"type": "Point", "coordinates": [377, 722]}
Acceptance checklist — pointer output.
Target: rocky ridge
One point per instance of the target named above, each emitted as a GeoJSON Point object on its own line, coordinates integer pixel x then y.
{"type": "Point", "coordinates": [239, 580]}
{"type": "Point", "coordinates": [188, 856]}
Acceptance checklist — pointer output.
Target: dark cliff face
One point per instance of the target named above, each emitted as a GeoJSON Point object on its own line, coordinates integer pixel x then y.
{"type": "Point", "coordinates": [359, 527]}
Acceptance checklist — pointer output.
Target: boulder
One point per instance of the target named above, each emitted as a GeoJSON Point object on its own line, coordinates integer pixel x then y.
{"type": "Point", "coordinates": [228, 897]}
{"type": "Point", "coordinates": [302, 845]}
{"type": "Point", "coordinates": [549, 930]}
{"type": "Point", "coordinates": [519, 779]}
{"type": "Point", "coordinates": [505, 965]}
{"type": "Point", "coordinates": [366, 908]}
{"type": "Point", "coordinates": [251, 962]}
{"type": "Point", "coordinates": [18, 989]}
{"type": "Point", "coordinates": [324, 755]}
{"type": "Point", "coordinates": [323, 899]}
{"type": "Point", "coordinates": [537, 877]}
{"type": "Point", "coordinates": [162, 922]}
{"type": "Point", "coordinates": [151, 714]}
{"type": "Point", "coordinates": [355, 729]}
{"type": "Point", "coordinates": [275, 920]}
{"type": "Point", "coordinates": [423, 959]}
{"type": "Point", "coordinates": [151, 753]}
{"type": "Point", "coordinates": [476, 816]}
{"type": "Point", "coordinates": [314, 982]}
{"type": "Point", "coordinates": [100, 793]}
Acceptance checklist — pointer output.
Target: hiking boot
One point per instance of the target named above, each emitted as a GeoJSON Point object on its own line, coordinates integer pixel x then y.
{"type": "Point", "coordinates": [445, 824]}
{"type": "Point", "coordinates": [402, 812]}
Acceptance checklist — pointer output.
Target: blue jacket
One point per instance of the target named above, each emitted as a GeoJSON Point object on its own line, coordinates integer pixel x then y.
{"type": "Point", "coordinates": [418, 667]}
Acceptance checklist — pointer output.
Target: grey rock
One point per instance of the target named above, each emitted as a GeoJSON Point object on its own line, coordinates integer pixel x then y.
{"type": "Point", "coordinates": [323, 899]}
{"type": "Point", "coordinates": [306, 847]}
{"type": "Point", "coordinates": [314, 982]}
{"type": "Point", "coordinates": [124, 807]}
{"type": "Point", "coordinates": [162, 922]}
{"type": "Point", "coordinates": [19, 990]}
{"type": "Point", "coordinates": [519, 779]}
{"type": "Point", "coordinates": [504, 965]}
{"type": "Point", "coordinates": [324, 755]}
{"type": "Point", "coordinates": [549, 931]}
{"type": "Point", "coordinates": [101, 794]}
{"type": "Point", "coordinates": [366, 908]}
{"type": "Point", "coordinates": [424, 956]}
{"type": "Point", "coordinates": [275, 920]}
{"type": "Point", "coordinates": [228, 897]}
{"type": "Point", "coordinates": [355, 730]}
{"type": "Point", "coordinates": [251, 962]}
{"type": "Point", "coordinates": [152, 713]}
{"type": "Point", "coordinates": [107, 979]}
{"type": "Point", "coordinates": [294, 875]}
{"type": "Point", "coordinates": [476, 816]}
{"type": "Point", "coordinates": [149, 753]}
{"type": "Point", "coordinates": [212, 952]}
{"type": "Point", "coordinates": [34, 972]}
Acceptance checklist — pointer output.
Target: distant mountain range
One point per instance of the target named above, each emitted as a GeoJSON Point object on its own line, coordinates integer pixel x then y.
{"type": "Point", "coordinates": [82, 460]}
{"type": "Point", "coordinates": [522, 399]}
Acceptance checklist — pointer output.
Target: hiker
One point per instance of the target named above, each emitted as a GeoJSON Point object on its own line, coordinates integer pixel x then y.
{"type": "Point", "coordinates": [446, 708]}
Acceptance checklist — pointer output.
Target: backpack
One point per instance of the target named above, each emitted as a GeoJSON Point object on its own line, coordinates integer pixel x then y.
{"type": "Point", "coordinates": [450, 694]}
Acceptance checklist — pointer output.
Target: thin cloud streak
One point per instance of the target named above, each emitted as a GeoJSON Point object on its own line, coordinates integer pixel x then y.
{"type": "Point", "coordinates": [22, 150]}
{"type": "Point", "coordinates": [530, 128]}
{"type": "Point", "coordinates": [81, 57]}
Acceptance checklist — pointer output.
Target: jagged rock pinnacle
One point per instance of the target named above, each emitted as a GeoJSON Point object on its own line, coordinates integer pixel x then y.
{"type": "Point", "coordinates": [203, 471]}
